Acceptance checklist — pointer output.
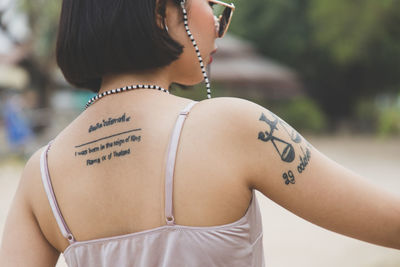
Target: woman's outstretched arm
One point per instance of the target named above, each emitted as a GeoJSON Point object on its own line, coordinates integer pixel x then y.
{"type": "Point", "coordinates": [287, 169]}
{"type": "Point", "coordinates": [23, 243]}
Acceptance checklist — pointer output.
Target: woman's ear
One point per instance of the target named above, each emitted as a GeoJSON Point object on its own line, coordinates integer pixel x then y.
{"type": "Point", "coordinates": [165, 9]}
{"type": "Point", "coordinates": [161, 23]}
{"type": "Point", "coordinates": [160, 13]}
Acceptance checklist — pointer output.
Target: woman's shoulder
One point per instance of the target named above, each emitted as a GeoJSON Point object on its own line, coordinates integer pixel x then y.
{"type": "Point", "coordinates": [30, 188]}
{"type": "Point", "coordinates": [215, 130]}
{"type": "Point", "coordinates": [231, 117]}
{"type": "Point", "coordinates": [231, 104]}
{"type": "Point", "coordinates": [238, 117]}
{"type": "Point", "coordinates": [228, 122]}
{"type": "Point", "coordinates": [31, 174]}
{"type": "Point", "coordinates": [230, 111]}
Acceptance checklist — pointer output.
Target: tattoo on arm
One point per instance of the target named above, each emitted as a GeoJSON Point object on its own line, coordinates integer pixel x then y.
{"type": "Point", "coordinates": [285, 149]}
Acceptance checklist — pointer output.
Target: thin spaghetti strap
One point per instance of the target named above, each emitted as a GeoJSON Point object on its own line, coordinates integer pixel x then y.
{"type": "Point", "coordinates": [51, 196]}
{"type": "Point", "coordinates": [170, 166]}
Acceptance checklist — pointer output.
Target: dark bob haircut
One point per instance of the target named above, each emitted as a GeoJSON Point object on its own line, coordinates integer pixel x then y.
{"type": "Point", "coordinates": [98, 37]}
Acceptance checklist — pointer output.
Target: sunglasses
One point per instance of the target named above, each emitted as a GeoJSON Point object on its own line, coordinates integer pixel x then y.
{"type": "Point", "coordinates": [223, 13]}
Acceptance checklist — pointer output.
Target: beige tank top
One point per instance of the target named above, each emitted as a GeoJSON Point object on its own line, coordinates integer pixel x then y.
{"type": "Point", "coordinates": [234, 244]}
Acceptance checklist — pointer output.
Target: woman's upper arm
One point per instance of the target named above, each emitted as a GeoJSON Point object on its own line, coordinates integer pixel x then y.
{"type": "Point", "coordinates": [23, 243]}
{"type": "Point", "coordinates": [287, 169]}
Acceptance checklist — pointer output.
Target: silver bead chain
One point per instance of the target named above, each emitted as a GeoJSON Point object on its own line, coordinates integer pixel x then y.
{"type": "Point", "coordinates": [141, 86]}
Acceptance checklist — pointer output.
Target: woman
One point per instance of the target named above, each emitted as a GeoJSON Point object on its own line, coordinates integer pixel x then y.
{"type": "Point", "coordinates": [114, 188]}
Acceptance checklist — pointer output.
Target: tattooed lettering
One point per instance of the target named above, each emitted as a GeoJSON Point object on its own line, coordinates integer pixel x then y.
{"type": "Point", "coordinates": [122, 153]}
{"type": "Point", "coordinates": [92, 161]}
{"type": "Point", "coordinates": [118, 142]}
{"type": "Point", "coordinates": [92, 150]}
{"type": "Point", "coordinates": [107, 137]}
{"type": "Point", "coordinates": [288, 177]}
{"type": "Point", "coordinates": [114, 145]}
{"type": "Point", "coordinates": [286, 150]}
{"type": "Point", "coordinates": [81, 153]}
{"type": "Point", "coordinates": [304, 160]}
{"type": "Point", "coordinates": [109, 122]}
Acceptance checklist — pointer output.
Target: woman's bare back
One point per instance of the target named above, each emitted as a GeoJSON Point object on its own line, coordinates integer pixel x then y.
{"type": "Point", "coordinates": [108, 168]}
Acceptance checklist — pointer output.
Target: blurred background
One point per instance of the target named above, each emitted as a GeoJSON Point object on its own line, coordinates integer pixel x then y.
{"type": "Point", "coordinates": [329, 68]}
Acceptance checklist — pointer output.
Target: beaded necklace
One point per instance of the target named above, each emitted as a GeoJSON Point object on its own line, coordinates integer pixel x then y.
{"type": "Point", "coordinates": [123, 89]}
{"type": "Point", "coordinates": [141, 86]}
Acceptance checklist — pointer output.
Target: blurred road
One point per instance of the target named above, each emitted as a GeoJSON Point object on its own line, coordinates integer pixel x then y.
{"type": "Point", "coordinates": [289, 240]}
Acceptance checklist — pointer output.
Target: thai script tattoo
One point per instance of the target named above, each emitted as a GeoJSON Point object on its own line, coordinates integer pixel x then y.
{"type": "Point", "coordinates": [109, 122]}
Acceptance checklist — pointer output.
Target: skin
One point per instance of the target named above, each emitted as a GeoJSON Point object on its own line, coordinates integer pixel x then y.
{"type": "Point", "coordinates": [186, 69]}
{"type": "Point", "coordinates": [125, 194]}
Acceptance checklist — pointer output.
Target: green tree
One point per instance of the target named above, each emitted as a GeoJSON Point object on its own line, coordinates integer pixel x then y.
{"type": "Point", "coordinates": [279, 28]}
{"type": "Point", "coordinates": [361, 40]}
{"type": "Point", "coordinates": [342, 49]}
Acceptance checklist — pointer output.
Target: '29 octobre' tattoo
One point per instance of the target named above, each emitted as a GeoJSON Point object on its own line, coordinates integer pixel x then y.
{"type": "Point", "coordinates": [108, 147]}
{"type": "Point", "coordinates": [285, 149]}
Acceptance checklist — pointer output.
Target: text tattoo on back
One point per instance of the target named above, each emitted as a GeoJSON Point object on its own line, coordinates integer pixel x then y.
{"type": "Point", "coordinates": [286, 149]}
{"type": "Point", "coordinates": [109, 147]}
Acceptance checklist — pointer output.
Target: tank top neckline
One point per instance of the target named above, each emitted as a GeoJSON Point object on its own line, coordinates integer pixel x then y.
{"type": "Point", "coordinates": [163, 228]}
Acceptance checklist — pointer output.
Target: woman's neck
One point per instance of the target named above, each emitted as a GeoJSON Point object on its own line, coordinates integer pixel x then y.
{"type": "Point", "coordinates": [115, 81]}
